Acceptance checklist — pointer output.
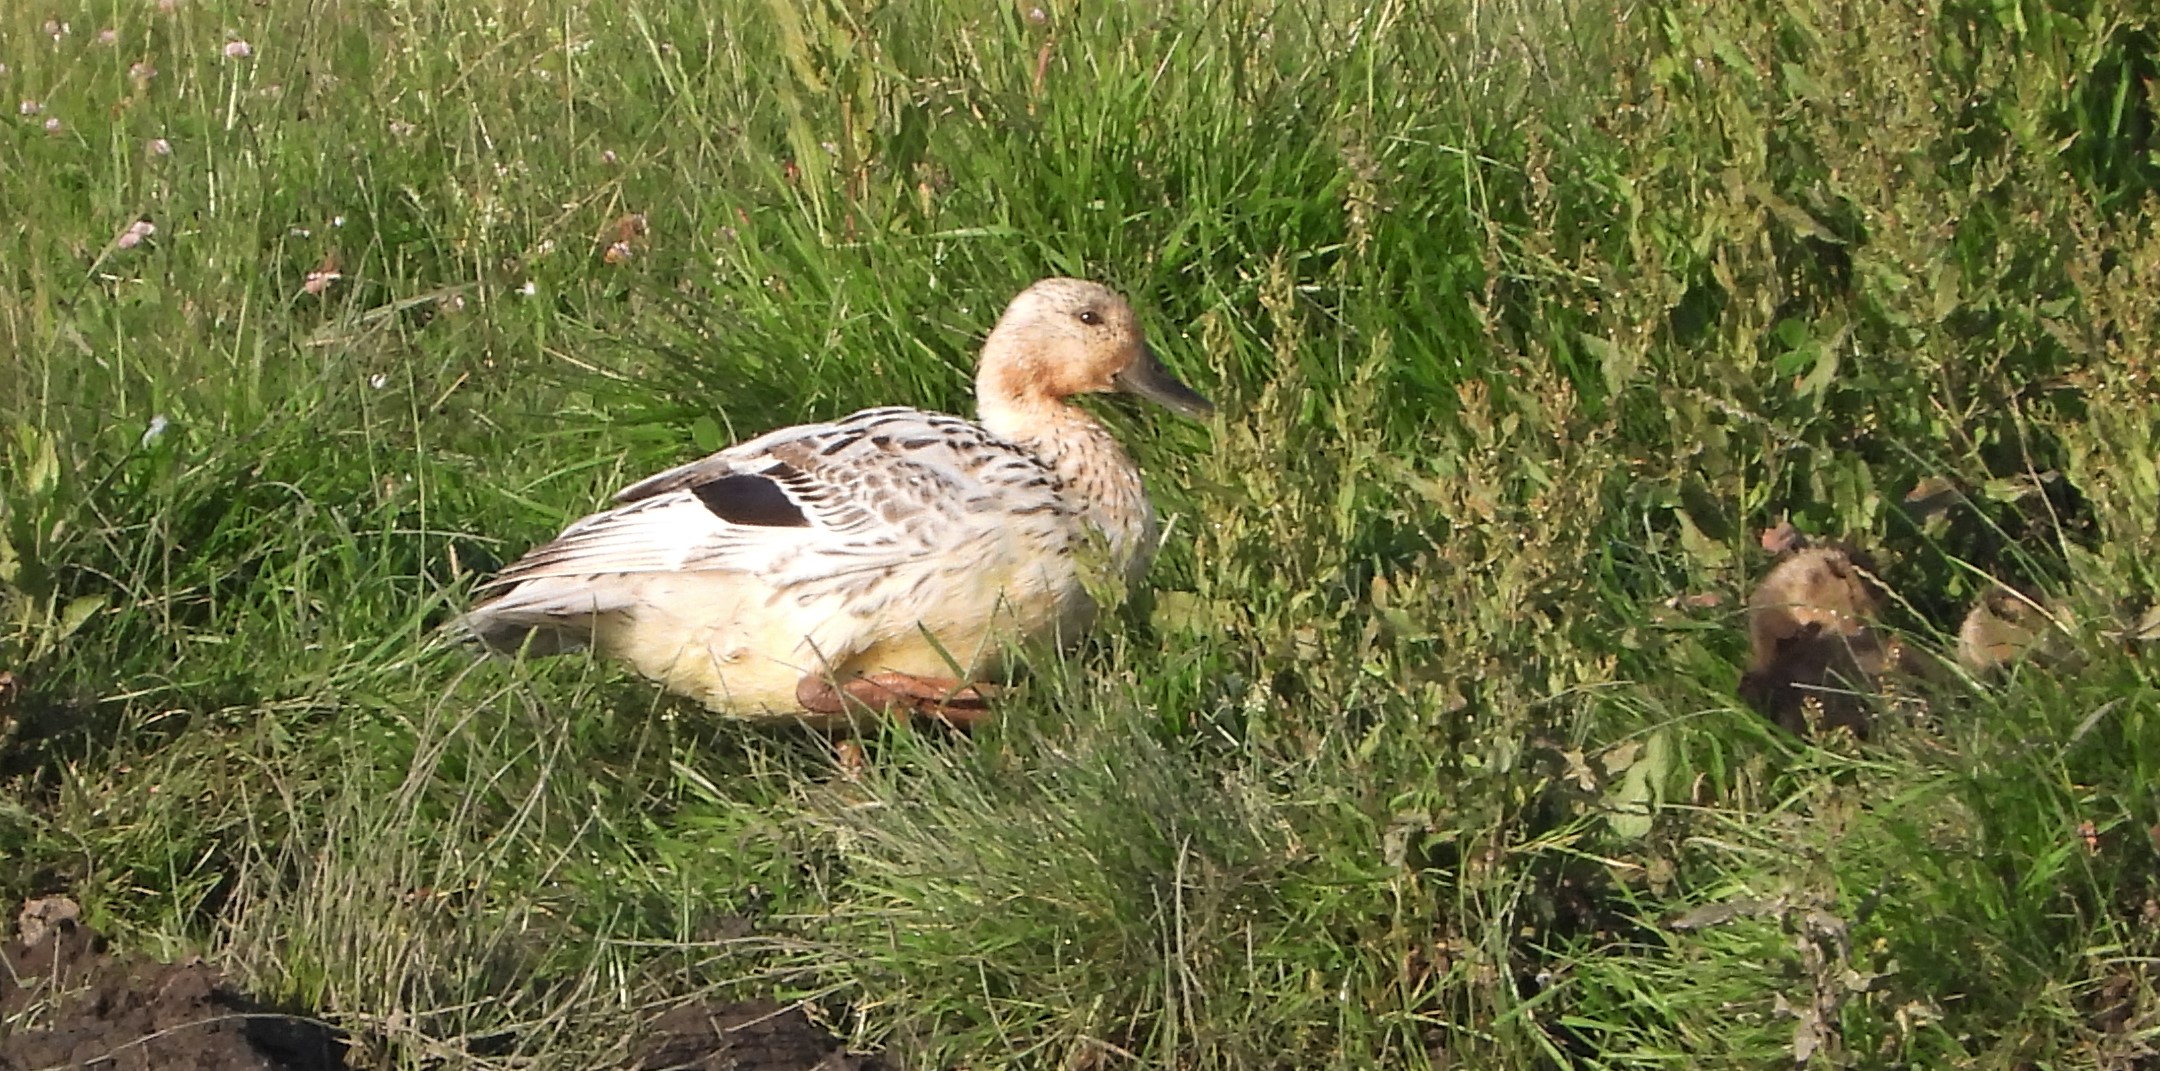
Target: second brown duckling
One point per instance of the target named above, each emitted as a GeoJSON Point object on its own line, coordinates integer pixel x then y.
{"type": "Point", "coordinates": [2004, 627]}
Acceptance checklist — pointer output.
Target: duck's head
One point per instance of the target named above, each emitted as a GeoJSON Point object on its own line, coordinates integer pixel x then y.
{"type": "Point", "coordinates": [1063, 337]}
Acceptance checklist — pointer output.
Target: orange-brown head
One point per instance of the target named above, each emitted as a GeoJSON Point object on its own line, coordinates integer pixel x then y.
{"type": "Point", "coordinates": [1063, 337]}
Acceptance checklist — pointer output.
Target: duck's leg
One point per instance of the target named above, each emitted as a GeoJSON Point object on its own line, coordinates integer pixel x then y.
{"type": "Point", "coordinates": [956, 703]}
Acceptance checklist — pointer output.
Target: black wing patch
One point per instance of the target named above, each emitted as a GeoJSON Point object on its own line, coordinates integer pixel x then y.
{"type": "Point", "coordinates": [753, 499]}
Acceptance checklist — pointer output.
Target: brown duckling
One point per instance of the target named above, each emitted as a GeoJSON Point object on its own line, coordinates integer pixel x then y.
{"type": "Point", "coordinates": [2007, 626]}
{"type": "Point", "coordinates": [1816, 652]}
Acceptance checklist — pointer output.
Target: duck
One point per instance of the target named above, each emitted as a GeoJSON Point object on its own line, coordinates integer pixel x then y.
{"type": "Point", "coordinates": [886, 563]}
{"type": "Point", "coordinates": [1816, 651]}
{"type": "Point", "coordinates": [2007, 626]}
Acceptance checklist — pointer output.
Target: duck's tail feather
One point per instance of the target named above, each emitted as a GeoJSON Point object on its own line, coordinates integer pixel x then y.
{"type": "Point", "coordinates": [506, 635]}
{"type": "Point", "coordinates": [539, 617]}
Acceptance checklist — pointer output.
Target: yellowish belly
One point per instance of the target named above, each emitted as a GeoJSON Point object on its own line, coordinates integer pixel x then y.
{"type": "Point", "coordinates": [725, 641]}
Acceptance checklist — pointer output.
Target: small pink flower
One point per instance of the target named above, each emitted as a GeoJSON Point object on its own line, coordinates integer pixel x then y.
{"type": "Point", "coordinates": [400, 128]}
{"type": "Point", "coordinates": [52, 125]}
{"type": "Point", "coordinates": [142, 71]}
{"type": "Point", "coordinates": [135, 233]}
{"type": "Point", "coordinates": [238, 49]}
{"type": "Point", "coordinates": [56, 29]}
{"type": "Point", "coordinates": [160, 147]}
{"type": "Point", "coordinates": [29, 107]}
{"type": "Point", "coordinates": [167, 7]}
{"type": "Point", "coordinates": [326, 272]}
{"type": "Point", "coordinates": [108, 36]}
{"type": "Point", "coordinates": [608, 157]}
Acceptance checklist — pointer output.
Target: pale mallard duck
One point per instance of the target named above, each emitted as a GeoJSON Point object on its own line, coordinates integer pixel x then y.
{"type": "Point", "coordinates": [884, 561]}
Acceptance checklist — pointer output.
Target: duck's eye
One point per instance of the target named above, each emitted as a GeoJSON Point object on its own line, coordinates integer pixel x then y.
{"type": "Point", "coordinates": [1090, 317]}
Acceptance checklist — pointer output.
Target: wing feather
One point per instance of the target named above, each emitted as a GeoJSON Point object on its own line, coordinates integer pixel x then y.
{"type": "Point", "coordinates": [872, 491]}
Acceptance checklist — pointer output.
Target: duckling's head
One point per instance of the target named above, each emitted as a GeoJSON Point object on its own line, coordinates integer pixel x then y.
{"type": "Point", "coordinates": [2004, 626]}
{"type": "Point", "coordinates": [1824, 593]}
{"type": "Point", "coordinates": [1063, 337]}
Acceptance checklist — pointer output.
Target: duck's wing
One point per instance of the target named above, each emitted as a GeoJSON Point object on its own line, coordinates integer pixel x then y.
{"type": "Point", "coordinates": [804, 504]}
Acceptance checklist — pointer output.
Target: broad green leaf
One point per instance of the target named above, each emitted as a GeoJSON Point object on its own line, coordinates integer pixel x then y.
{"type": "Point", "coordinates": [78, 612]}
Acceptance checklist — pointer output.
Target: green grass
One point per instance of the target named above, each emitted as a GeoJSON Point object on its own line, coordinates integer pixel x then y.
{"type": "Point", "coordinates": [1524, 319]}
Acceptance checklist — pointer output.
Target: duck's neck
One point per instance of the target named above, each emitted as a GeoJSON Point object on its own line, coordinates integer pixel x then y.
{"type": "Point", "coordinates": [1100, 478]}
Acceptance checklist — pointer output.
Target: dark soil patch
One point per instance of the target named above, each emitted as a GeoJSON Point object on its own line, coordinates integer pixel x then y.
{"type": "Point", "coordinates": [66, 1002]}
{"type": "Point", "coordinates": [749, 1036]}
